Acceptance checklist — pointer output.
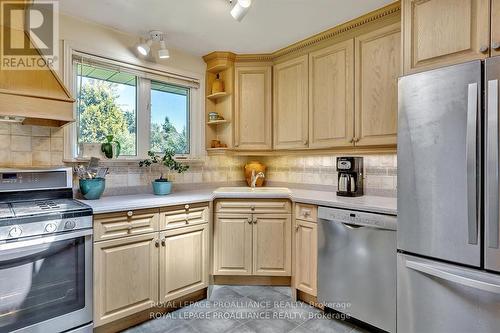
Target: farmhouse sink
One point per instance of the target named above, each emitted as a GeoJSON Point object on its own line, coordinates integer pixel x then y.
{"type": "Point", "coordinates": [252, 192]}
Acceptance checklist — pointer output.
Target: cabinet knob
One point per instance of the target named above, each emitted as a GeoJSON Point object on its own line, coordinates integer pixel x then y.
{"type": "Point", "coordinates": [130, 227]}
{"type": "Point", "coordinates": [157, 243]}
{"type": "Point", "coordinates": [252, 207]}
{"type": "Point", "coordinates": [484, 48]}
{"type": "Point", "coordinates": [495, 45]}
{"type": "Point", "coordinates": [130, 213]}
{"type": "Point", "coordinates": [355, 139]}
{"type": "Point", "coordinates": [187, 221]}
{"type": "Point", "coordinates": [254, 220]}
{"type": "Point", "coordinates": [352, 140]}
{"type": "Point", "coordinates": [306, 213]}
{"type": "Point", "coordinates": [163, 242]}
{"type": "Point", "coordinates": [249, 220]}
{"type": "Point", "coordinates": [297, 228]}
{"type": "Point", "coordinates": [305, 142]}
{"type": "Point", "coordinates": [186, 207]}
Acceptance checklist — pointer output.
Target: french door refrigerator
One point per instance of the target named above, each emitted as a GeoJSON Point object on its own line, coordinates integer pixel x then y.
{"type": "Point", "coordinates": [448, 200]}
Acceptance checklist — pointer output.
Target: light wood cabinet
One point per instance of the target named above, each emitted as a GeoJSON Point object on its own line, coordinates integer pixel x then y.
{"type": "Point", "coordinates": [121, 224]}
{"type": "Point", "coordinates": [306, 258]}
{"type": "Point", "coordinates": [290, 104]}
{"type": "Point", "coordinates": [377, 67]}
{"type": "Point", "coordinates": [495, 27]}
{"type": "Point", "coordinates": [253, 108]}
{"type": "Point", "coordinates": [233, 244]}
{"type": "Point", "coordinates": [272, 244]}
{"type": "Point", "coordinates": [183, 216]}
{"type": "Point", "coordinates": [251, 243]}
{"type": "Point", "coordinates": [331, 96]}
{"type": "Point", "coordinates": [125, 277]}
{"type": "Point", "coordinates": [183, 261]}
{"type": "Point", "coordinates": [444, 32]}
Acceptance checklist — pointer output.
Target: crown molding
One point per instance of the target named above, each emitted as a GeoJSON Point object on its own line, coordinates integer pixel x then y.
{"type": "Point", "coordinates": [377, 14]}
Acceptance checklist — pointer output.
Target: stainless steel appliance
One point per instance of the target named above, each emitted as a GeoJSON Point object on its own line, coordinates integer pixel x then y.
{"type": "Point", "coordinates": [45, 253]}
{"type": "Point", "coordinates": [445, 125]}
{"type": "Point", "coordinates": [357, 265]}
{"type": "Point", "coordinates": [350, 176]}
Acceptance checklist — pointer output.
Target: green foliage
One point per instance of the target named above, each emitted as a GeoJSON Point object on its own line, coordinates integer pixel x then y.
{"type": "Point", "coordinates": [166, 137]}
{"type": "Point", "coordinates": [166, 160]}
{"type": "Point", "coordinates": [100, 115]}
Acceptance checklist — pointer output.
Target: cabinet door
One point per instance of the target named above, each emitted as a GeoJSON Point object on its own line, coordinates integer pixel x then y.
{"type": "Point", "coordinates": [183, 261]}
{"type": "Point", "coordinates": [253, 109]}
{"type": "Point", "coordinates": [495, 27]}
{"type": "Point", "coordinates": [272, 244]}
{"type": "Point", "coordinates": [444, 32]}
{"type": "Point", "coordinates": [376, 94]}
{"type": "Point", "coordinates": [290, 110]}
{"type": "Point", "coordinates": [128, 223]}
{"type": "Point", "coordinates": [233, 244]}
{"type": "Point", "coordinates": [331, 96]}
{"type": "Point", "coordinates": [125, 277]}
{"type": "Point", "coordinates": [306, 259]}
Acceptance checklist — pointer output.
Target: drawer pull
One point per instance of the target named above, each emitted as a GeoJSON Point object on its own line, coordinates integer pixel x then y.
{"type": "Point", "coordinates": [163, 242]}
{"type": "Point", "coordinates": [297, 228]}
{"type": "Point", "coordinates": [130, 213]}
{"type": "Point", "coordinates": [306, 213]}
{"type": "Point", "coordinates": [186, 207]}
{"type": "Point", "coordinates": [252, 207]}
{"type": "Point", "coordinates": [130, 227]}
{"type": "Point", "coordinates": [157, 243]}
{"type": "Point", "coordinates": [187, 221]}
{"type": "Point", "coordinates": [254, 220]}
{"type": "Point", "coordinates": [249, 220]}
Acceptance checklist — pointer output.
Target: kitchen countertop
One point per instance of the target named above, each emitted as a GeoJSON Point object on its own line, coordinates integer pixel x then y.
{"type": "Point", "coordinates": [368, 203]}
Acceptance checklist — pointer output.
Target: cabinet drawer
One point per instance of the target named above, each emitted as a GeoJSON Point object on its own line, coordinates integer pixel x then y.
{"type": "Point", "coordinates": [253, 206]}
{"type": "Point", "coordinates": [306, 212]}
{"type": "Point", "coordinates": [183, 215]}
{"type": "Point", "coordinates": [115, 225]}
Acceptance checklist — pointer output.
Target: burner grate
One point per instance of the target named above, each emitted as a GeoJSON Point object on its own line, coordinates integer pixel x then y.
{"type": "Point", "coordinates": [48, 204]}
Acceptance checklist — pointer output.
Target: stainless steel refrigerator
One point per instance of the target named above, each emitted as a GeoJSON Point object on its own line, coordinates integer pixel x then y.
{"type": "Point", "coordinates": [448, 201]}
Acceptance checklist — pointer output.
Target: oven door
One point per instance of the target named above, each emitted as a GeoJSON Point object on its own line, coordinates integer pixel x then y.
{"type": "Point", "coordinates": [46, 283]}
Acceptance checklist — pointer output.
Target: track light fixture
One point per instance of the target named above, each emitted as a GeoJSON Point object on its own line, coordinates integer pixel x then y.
{"type": "Point", "coordinates": [154, 36]}
{"type": "Point", "coordinates": [240, 9]}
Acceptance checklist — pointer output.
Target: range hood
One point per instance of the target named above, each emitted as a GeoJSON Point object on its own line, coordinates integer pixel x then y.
{"type": "Point", "coordinates": [33, 97]}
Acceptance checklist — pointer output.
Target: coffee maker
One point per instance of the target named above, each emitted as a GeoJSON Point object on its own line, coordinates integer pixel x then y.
{"type": "Point", "coordinates": [350, 179]}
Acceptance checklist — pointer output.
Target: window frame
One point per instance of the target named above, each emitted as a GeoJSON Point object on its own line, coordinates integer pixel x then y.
{"type": "Point", "coordinates": [145, 74]}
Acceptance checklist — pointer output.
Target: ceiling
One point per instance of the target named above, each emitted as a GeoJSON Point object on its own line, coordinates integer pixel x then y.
{"type": "Point", "coordinates": [202, 26]}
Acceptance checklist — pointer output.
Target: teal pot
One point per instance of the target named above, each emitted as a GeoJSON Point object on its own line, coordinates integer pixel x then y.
{"type": "Point", "coordinates": [92, 189]}
{"type": "Point", "coordinates": [162, 188]}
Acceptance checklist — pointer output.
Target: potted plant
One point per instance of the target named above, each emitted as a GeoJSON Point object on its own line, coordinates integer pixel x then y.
{"type": "Point", "coordinates": [111, 148]}
{"type": "Point", "coordinates": [163, 185]}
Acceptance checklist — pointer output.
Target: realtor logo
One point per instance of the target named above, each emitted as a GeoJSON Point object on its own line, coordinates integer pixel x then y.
{"type": "Point", "coordinates": [29, 35]}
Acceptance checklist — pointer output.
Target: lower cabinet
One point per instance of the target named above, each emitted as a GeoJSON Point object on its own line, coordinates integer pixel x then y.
{"type": "Point", "coordinates": [183, 261]}
{"type": "Point", "coordinates": [125, 277]}
{"type": "Point", "coordinates": [137, 272]}
{"type": "Point", "coordinates": [306, 256]}
{"type": "Point", "coordinates": [248, 243]}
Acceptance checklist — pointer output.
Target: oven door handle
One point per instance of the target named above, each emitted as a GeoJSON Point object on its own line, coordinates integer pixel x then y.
{"type": "Point", "coordinates": [7, 248]}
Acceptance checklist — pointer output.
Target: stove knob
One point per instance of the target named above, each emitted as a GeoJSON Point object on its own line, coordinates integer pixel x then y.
{"type": "Point", "coordinates": [71, 224]}
{"type": "Point", "coordinates": [15, 232]}
{"type": "Point", "coordinates": [50, 227]}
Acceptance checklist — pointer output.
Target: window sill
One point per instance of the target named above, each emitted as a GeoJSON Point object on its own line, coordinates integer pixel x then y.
{"type": "Point", "coordinates": [189, 161]}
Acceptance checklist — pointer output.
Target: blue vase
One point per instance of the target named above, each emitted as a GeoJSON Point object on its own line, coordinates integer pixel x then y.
{"type": "Point", "coordinates": [162, 188]}
{"type": "Point", "coordinates": [92, 189]}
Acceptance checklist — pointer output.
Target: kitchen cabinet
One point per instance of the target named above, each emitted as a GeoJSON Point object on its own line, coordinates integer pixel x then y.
{"type": "Point", "coordinates": [290, 104]}
{"type": "Point", "coordinates": [377, 67]}
{"type": "Point", "coordinates": [249, 242]}
{"type": "Point", "coordinates": [253, 107]}
{"type": "Point", "coordinates": [495, 28]}
{"type": "Point", "coordinates": [306, 260]}
{"type": "Point", "coordinates": [183, 216]}
{"type": "Point", "coordinates": [331, 96]}
{"type": "Point", "coordinates": [183, 261]}
{"type": "Point", "coordinates": [125, 277]}
{"type": "Point", "coordinates": [233, 244]}
{"type": "Point", "coordinates": [272, 248]}
{"type": "Point", "coordinates": [443, 32]}
{"type": "Point", "coordinates": [121, 224]}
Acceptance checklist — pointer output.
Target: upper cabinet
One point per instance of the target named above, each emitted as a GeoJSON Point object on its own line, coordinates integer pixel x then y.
{"type": "Point", "coordinates": [331, 101]}
{"type": "Point", "coordinates": [444, 32]}
{"type": "Point", "coordinates": [291, 104]}
{"type": "Point", "coordinates": [253, 107]}
{"type": "Point", "coordinates": [376, 95]}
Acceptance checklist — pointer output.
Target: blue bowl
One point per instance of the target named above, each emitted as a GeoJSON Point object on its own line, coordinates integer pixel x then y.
{"type": "Point", "coordinates": [92, 189]}
{"type": "Point", "coordinates": [162, 188]}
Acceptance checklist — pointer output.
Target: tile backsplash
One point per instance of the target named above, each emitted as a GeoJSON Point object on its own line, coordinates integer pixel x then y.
{"type": "Point", "coordinates": [36, 146]}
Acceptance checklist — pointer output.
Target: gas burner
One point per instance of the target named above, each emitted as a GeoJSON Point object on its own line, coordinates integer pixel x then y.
{"type": "Point", "coordinates": [44, 205]}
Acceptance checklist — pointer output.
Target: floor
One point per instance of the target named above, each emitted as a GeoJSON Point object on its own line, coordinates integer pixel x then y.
{"type": "Point", "coordinates": [247, 309]}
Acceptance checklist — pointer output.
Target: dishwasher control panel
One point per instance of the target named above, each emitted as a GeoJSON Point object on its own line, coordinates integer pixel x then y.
{"type": "Point", "coordinates": [358, 218]}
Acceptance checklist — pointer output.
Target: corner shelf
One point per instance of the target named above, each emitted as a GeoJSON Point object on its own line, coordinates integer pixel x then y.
{"type": "Point", "coordinates": [218, 95]}
{"type": "Point", "coordinates": [217, 122]}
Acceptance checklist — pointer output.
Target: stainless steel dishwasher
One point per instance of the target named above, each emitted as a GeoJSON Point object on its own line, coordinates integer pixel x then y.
{"type": "Point", "coordinates": [357, 265]}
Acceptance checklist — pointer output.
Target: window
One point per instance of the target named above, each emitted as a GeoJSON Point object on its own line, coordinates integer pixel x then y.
{"type": "Point", "coordinates": [141, 108]}
{"type": "Point", "coordinates": [169, 118]}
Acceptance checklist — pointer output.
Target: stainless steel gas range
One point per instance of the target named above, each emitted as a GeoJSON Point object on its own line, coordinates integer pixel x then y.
{"type": "Point", "coordinates": [45, 253]}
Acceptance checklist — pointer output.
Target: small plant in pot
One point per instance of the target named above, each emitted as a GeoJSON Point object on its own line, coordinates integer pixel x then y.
{"type": "Point", "coordinates": [162, 185]}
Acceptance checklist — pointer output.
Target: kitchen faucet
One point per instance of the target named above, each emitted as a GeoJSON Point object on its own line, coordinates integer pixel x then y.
{"type": "Point", "coordinates": [255, 177]}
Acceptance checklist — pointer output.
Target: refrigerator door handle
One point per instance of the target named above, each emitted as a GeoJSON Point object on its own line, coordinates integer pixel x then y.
{"type": "Point", "coordinates": [491, 211]}
{"type": "Point", "coordinates": [471, 151]}
{"type": "Point", "coordinates": [443, 274]}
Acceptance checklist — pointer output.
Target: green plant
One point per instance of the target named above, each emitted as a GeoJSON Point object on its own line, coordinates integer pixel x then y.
{"type": "Point", "coordinates": [167, 160]}
{"type": "Point", "coordinates": [107, 147]}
